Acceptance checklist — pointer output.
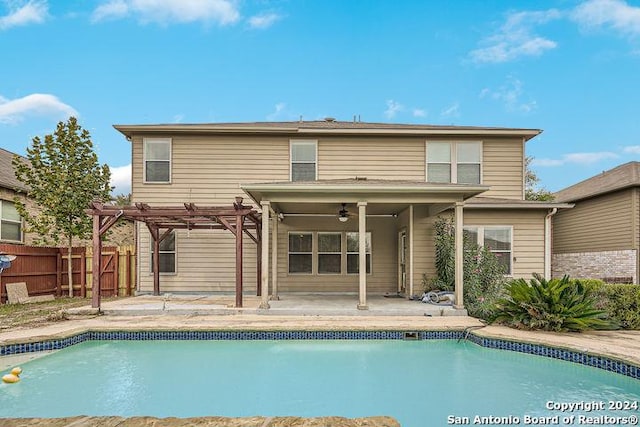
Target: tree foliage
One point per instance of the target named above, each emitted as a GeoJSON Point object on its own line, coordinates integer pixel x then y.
{"type": "Point", "coordinates": [63, 176]}
{"type": "Point", "coordinates": [483, 273]}
{"type": "Point", "coordinates": [531, 181]}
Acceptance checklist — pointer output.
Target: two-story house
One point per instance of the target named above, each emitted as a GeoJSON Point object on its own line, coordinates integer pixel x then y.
{"type": "Point", "coordinates": [347, 207]}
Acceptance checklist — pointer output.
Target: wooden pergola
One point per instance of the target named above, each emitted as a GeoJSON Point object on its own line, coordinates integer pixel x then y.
{"type": "Point", "coordinates": [161, 221]}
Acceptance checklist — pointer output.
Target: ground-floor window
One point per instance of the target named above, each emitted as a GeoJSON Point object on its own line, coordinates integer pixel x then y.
{"type": "Point", "coordinates": [329, 253]}
{"type": "Point", "coordinates": [301, 253]}
{"type": "Point", "coordinates": [10, 222]}
{"type": "Point", "coordinates": [167, 254]}
{"type": "Point", "coordinates": [334, 249]}
{"type": "Point", "coordinates": [497, 239]}
{"type": "Point", "coordinates": [353, 252]}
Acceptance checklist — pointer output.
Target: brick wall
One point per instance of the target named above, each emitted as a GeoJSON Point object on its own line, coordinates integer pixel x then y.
{"type": "Point", "coordinates": [595, 265]}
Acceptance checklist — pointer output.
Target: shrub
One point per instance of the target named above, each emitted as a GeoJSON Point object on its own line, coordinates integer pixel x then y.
{"type": "Point", "coordinates": [483, 274]}
{"type": "Point", "coordinates": [621, 302]}
{"type": "Point", "coordinates": [554, 305]}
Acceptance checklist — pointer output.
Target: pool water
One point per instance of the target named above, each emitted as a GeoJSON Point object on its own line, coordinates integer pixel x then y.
{"type": "Point", "coordinates": [419, 383]}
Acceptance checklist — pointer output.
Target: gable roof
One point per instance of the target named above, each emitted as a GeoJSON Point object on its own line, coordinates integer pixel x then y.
{"type": "Point", "coordinates": [618, 178]}
{"type": "Point", "coordinates": [327, 126]}
{"type": "Point", "coordinates": [7, 175]}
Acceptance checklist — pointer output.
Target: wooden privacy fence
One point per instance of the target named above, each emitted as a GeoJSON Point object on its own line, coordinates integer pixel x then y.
{"type": "Point", "coordinates": [45, 270]}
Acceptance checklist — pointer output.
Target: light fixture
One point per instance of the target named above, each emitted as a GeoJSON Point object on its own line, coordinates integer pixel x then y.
{"type": "Point", "coordinates": [343, 214]}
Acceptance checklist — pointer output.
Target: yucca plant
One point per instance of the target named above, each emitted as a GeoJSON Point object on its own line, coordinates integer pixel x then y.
{"type": "Point", "coordinates": [551, 305]}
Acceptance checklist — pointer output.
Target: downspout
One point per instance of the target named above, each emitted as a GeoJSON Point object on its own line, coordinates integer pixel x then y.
{"type": "Point", "coordinates": [547, 243]}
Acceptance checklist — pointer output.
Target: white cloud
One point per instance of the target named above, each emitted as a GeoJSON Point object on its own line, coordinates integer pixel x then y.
{"type": "Point", "coordinates": [32, 12]}
{"type": "Point", "coordinates": [516, 38]}
{"type": "Point", "coordinates": [277, 113]}
{"type": "Point", "coordinates": [393, 108]}
{"type": "Point", "coordinates": [165, 12]}
{"type": "Point", "coordinates": [576, 159]}
{"type": "Point", "coordinates": [121, 179]}
{"type": "Point", "coordinates": [178, 118]}
{"type": "Point", "coordinates": [38, 104]}
{"type": "Point", "coordinates": [616, 14]}
{"type": "Point", "coordinates": [419, 112]}
{"type": "Point", "coordinates": [452, 111]}
{"type": "Point", "coordinates": [263, 21]}
{"type": "Point", "coordinates": [632, 149]}
{"type": "Point", "coordinates": [546, 162]}
{"type": "Point", "coordinates": [510, 95]}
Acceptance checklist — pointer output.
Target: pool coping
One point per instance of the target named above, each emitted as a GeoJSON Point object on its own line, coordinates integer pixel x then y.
{"type": "Point", "coordinates": [488, 337]}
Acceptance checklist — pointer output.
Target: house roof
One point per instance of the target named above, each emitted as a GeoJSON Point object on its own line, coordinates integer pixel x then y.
{"type": "Point", "coordinates": [500, 203]}
{"type": "Point", "coordinates": [327, 126]}
{"type": "Point", "coordinates": [7, 176]}
{"type": "Point", "coordinates": [618, 178]}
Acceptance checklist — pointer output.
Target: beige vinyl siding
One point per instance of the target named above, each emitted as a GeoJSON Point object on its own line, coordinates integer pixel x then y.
{"type": "Point", "coordinates": [601, 223]}
{"type": "Point", "coordinates": [383, 277]}
{"type": "Point", "coordinates": [205, 263]}
{"type": "Point", "coordinates": [502, 168]}
{"type": "Point", "coordinates": [209, 170]}
{"type": "Point", "coordinates": [528, 239]}
{"type": "Point", "coordinates": [374, 158]}
{"type": "Point", "coordinates": [528, 235]}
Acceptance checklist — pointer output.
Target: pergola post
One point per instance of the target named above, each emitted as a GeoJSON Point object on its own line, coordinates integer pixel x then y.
{"type": "Point", "coordinates": [274, 258]}
{"type": "Point", "coordinates": [155, 259]}
{"type": "Point", "coordinates": [259, 267]}
{"type": "Point", "coordinates": [459, 258]}
{"type": "Point", "coordinates": [362, 255]}
{"type": "Point", "coordinates": [96, 263]}
{"type": "Point", "coordinates": [239, 219]}
{"type": "Point", "coordinates": [266, 206]}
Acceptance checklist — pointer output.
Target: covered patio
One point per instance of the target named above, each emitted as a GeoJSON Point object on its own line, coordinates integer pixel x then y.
{"type": "Point", "coordinates": [360, 200]}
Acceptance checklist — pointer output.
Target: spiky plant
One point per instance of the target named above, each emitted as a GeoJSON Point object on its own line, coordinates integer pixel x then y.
{"type": "Point", "coordinates": [551, 305]}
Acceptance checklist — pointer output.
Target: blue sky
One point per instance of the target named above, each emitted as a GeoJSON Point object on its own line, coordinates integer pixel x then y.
{"type": "Point", "coordinates": [571, 68]}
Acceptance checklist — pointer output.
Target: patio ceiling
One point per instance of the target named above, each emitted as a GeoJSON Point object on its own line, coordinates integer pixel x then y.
{"type": "Point", "coordinates": [384, 197]}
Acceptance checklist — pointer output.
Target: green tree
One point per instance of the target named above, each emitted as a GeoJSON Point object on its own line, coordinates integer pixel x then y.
{"type": "Point", "coordinates": [63, 176]}
{"type": "Point", "coordinates": [122, 199]}
{"type": "Point", "coordinates": [531, 181]}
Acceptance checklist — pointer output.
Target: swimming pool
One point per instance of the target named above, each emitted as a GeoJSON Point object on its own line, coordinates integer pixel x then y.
{"type": "Point", "coordinates": [421, 382]}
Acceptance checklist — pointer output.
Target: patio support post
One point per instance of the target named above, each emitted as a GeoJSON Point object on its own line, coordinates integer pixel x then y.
{"type": "Point", "coordinates": [96, 263]}
{"type": "Point", "coordinates": [459, 258]}
{"type": "Point", "coordinates": [362, 254]}
{"type": "Point", "coordinates": [239, 232]}
{"type": "Point", "coordinates": [410, 251]}
{"type": "Point", "coordinates": [264, 301]}
{"type": "Point", "coordinates": [274, 258]}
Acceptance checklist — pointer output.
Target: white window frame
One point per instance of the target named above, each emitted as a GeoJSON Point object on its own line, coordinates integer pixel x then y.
{"type": "Point", "coordinates": [453, 145]}
{"type": "Point", "coordinates": [10, 221]}
{"type": "Point", "coordinates": [480, 230]}
{"type": "Point", "coordinates": [174, 252]}
{"type": "Point", "coordinates": [144, 159]}
{"type": "Point", "coordinates": [289, 253]}
{"type": "Point", "coordinates": [370, 253]}
{"type": "Point", "coordinates": [292, 142]}
{"type": "Point", "coordinates": [339, 233]}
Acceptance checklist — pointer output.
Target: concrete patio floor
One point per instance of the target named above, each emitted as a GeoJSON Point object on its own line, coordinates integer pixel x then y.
{"type": "Point", "coordinates": [287, 305]}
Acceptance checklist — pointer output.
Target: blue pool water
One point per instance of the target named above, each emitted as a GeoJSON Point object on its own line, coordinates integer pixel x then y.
{"type": "Point", "coordinates": [420, 383]}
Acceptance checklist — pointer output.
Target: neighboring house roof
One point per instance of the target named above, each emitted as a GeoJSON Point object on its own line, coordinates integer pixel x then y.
{"type": "Point", "coordinates": [329, 126]}
{"type": "Point", "coordinates": [618, 178]}
{"type": "Point", "coordinates": [7, 175]}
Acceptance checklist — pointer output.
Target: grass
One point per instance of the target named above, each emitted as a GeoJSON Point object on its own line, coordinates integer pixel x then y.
{"type": "Point", "coordinates": [38, 314]}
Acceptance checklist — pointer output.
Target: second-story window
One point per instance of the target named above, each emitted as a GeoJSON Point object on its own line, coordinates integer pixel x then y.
{"type": "Point", "coordinates": [454, 162]}
{"type": "Point", "coordinates": [304, 165]}
{"type": "Point", "coordinates": [157, 160]}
